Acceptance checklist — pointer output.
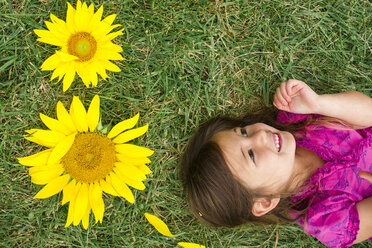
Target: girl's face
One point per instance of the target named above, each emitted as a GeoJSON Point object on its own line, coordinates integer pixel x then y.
{"type": "Point", "coordinates": [259, 155]}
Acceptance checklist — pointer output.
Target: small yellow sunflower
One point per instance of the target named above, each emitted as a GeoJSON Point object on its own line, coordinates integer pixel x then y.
{"type": "Point", "coordinates": [86, 47]}
{"type": "Point", "coordinates": [83, 162]}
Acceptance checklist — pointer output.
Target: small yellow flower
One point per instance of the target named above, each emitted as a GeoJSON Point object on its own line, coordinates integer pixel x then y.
{"type": "Point", "coordinates": [85, 42]}
{"type": "Point", "coordinates": [83, 163]}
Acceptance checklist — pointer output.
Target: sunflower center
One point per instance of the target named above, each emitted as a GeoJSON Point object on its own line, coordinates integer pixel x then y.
{"type": "Point", "coordinates": [82, 45]}
{"type": "Point", "coordinates": [90, 158]}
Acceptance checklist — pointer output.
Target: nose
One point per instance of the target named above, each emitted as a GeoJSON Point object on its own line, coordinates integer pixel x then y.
{"type": "Point", "coordinates": [260, 137]}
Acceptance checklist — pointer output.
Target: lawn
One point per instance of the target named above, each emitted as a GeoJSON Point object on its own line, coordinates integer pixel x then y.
{"type": "Point", "coordinates": [185, 61]}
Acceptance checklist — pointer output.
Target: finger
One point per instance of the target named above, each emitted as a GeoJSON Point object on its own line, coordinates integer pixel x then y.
{"type": "Point", "coordinates": [276, 103]}
{"type": "Point", "coordinates": [366, 175]}
{"type": "Point", "coordinates": [284, 92]}
{"type": "Point", "coordinates": [279, 106]}
{"type": "Point", "coordinates": [289, 86]}
{"type": "Point", "coordinates": [280, 98]}
{"type": "Point", "coordinates": [295, 86]}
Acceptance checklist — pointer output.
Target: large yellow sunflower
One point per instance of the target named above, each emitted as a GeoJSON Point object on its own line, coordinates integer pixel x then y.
{"type": "Point", "coordinates": [83, 163]}
{"type": "Point", "coordinates": [86, 47]}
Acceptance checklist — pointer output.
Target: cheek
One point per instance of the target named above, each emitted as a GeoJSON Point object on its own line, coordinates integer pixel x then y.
{"type": "Point", "coordinates": [260, 126]}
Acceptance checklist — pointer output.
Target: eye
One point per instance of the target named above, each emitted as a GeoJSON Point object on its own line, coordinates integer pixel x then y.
{"type": "Point", "coordinates": [244, 133]}
{"type": "Point", "coordinates": [251, 154]}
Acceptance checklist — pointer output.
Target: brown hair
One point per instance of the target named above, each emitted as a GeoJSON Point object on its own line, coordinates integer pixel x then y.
{"type": "Point", "coordinates": [215, 196]}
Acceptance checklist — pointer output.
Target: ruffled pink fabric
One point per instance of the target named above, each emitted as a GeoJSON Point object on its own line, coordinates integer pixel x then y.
{"type": "Point", "coordinates": [336, 187]}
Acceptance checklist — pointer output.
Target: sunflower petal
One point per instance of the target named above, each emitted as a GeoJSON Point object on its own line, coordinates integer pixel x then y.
{"type": "Point", "coordinates": [53, 187]}
{"type": "Point", "coordinates": [122, 188]}
{"type": "Point", "coordinates": [70, 23]}
{"type": "Point", "coordinates": [93, 113]}
{"type": "Point", "coordinates": [65, 118]}
{"type": "Point", "coordinates": [66, 57]}
{"type": "Point", "coordinates": [110, 19]}
{"type": "Point", "coordinates": [71, 206]}
{"type": "Point", "coordinates": [51, 63]}
{"type": "Point", "coordinates": [85, 219]}
{"type": "Point", "coordinates": [69, 77]}
{"type": "Point", "coordinates": [93, 78]}
{"type": "Point", "coordinates": [37, 169]}
{"type": "Point", "coordinates": [54, 125]}
{"type": "Point", "coordinates": [83, 72]}
{"type": "Point", "coordinates": [146, 170]}
{"type": "Point", "coordinates": [60, 26]}
{"type": "Point", "coordinates": [132, 161]}
{"type": "Point", "coordinates": [42, 137]}
{"type": "Point", "coordinates": [69, 192]}
{"type": "Point", "coordinates": [110, 66]}
{"type": "Point", "coordinates": [113, 35]}
{"type": "Point", "coordinates": [133, 151]}
{"type": "Point", "coordinates": [46, 175]}
{"type": "Point", "coordinates": [91, 9]}
{"type": "Point", "coordinates": [190, 245]}
{"type": "Point", "coordinates": [137, 184]}
{"type": "Point", "coordinates": [96, 201]}
{"type": "Point", "coordinates": [107, 186]}
{"type": "Point", "coordinates": [81, 203]}
{"type": "Point", "coordinates": [134, 184]}
{"type": "Point", "coordinates": [48, 37]}
{"type": "Point", "coordinates": [77, 17]}
{"type": "Point", "coordinates": [131, 134]}
{"type": "Point", "coordinates": [122, 126]}
{"type": "Point", "coordinates": [78, 114]}
{"type": "Point", "coordinates": [37, 159]}
{"type": "Point", "coordinates": [130, 171]}
{"type": "Point", "coordinates": [61, 149]}
{"type": "Point", "coordinates": [96, 18]}
{"type": "Point", "coordinates": [159, 225]}
{"type": "Point", "coordinates": [108, 54]}
{"type": "Point", "coordinates": [70, 214]}
{"type": "Point", "coordinates": [83, 17]}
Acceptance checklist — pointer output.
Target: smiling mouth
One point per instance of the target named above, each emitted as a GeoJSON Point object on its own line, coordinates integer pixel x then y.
{"type": "Point", "coordinates": [278, 142]}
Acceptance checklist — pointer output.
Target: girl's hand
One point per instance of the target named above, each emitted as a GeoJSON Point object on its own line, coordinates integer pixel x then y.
{"type": "Point", "coordinates": [296, 97]}
{"type": "Point", "coordinates": [366, 175]}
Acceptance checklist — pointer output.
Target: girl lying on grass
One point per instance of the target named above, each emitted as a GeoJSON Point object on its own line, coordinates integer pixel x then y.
{"type": "Point", "coordinates": [302, 166]}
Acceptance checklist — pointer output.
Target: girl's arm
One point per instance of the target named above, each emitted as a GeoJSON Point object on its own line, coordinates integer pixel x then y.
{"type": "Point", "coordinates": [365, 214]}
{"type": "Point", "coordinates": [352, 107]}
{"type": "Point", "coordinates": [364, 208]}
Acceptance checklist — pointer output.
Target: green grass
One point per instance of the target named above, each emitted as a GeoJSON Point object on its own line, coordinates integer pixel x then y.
{"type": "Point", "coordinates": [185, 62]}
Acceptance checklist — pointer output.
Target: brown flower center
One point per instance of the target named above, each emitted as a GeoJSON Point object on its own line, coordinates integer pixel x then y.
{"type": "Point", "coordinates": [82, 45]}
{"type": "Point", "coordinates": [90, 158]}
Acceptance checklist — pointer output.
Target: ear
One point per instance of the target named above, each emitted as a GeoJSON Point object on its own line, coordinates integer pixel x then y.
{"type": "Point", "coordinates": [262, 206]}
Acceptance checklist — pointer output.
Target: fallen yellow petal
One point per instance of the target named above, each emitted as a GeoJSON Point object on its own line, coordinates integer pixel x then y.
{"type": "Point", "coordinates": [190, 245]}
{"type": "Point", "coordinates": [159, 225]}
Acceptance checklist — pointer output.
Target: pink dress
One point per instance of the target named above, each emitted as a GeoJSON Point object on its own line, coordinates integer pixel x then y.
{"type": "Point", "coordinates": [332, 216]}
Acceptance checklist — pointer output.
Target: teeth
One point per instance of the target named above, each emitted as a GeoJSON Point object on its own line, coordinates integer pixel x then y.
{"type": "Point", "coordinates": [277, 142]}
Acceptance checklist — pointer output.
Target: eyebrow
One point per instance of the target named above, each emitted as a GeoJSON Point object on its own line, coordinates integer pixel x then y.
{"type": "Point", "coordinates": [241, 148]}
